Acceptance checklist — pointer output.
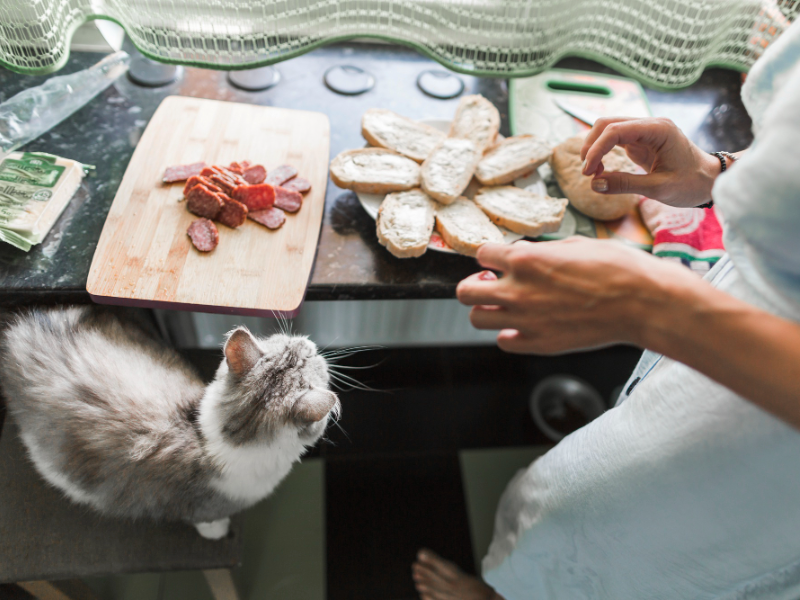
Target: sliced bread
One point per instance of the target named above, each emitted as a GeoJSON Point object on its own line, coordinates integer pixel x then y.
{"type": "Point", "coordinates": [465, 227]}
{"type": "Point", "coordinates": [405, 222]}
{"type": "Point", "coordinates": [386, 129]}
{"type": "Point", "coordinates": [374, 171]}
{"type": "Point", "coordinates": [476, 119]}
{"type": "Point", "coordinates": [521, 211]}
{"type": "Point", "coordinates": [577, 187]}
{"type": "Point", "coordinates": [446, 173]}
{"type": "Point", "coordinates": [512, 158]}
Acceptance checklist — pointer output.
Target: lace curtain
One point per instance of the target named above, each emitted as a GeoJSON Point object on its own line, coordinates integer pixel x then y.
{"type": "Point", "coordinates": [665, 43]}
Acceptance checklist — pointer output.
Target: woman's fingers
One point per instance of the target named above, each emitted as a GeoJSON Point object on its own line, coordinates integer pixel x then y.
{"type": "Point", "coordinates": [492, 317]}
{"type": "Point", "coordinates": [598, 128]}
{"type": "Point", "coordinates": [473, 292]}
{"type": "Point", "coordinates": [494, 256]}
{"type": "Point", "coordinates": [652, 185]}
{"type": "Point", "coordinates": [646, 132]}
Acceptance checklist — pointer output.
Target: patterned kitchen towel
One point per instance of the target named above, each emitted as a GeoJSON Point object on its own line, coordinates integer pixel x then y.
{"type": "Point", "coordinates": [691, 236]}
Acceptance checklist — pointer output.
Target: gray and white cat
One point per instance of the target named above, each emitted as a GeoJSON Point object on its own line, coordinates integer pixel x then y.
{"type": "Point", "coordinates": [118, 421]}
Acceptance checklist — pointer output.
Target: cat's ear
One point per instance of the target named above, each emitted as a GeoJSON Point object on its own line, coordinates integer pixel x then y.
{"type": "Point", "coordinates": [314, 405]}
{"type": "Point", "coordinates": [241, 352]}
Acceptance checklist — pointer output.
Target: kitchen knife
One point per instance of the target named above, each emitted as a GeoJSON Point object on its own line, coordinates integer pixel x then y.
{"type": "Point", "coordinates": [584, 116]}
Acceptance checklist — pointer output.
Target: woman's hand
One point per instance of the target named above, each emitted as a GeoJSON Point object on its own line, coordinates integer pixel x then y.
{"type": "Point", "coordinates": [573, 294]}
{"type": "Point", "coordinates": [678, 172]}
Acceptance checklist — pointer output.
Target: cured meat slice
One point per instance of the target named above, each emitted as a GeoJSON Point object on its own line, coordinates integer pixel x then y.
{"type": "Point", "coordinates": [203, 202]}
{"type": "Point", "coordinates": [245, 164]}
{"type": "Point", "coordinates": [298, 184]}
{"type": "Point", "coordinates": [199, 180]}
{"type": "Point", "coordinates": [255, 174]}
{"type": "Point", "coordinates": [236, 168]}
{"type": "Point", "coordinates": [281, 175]}
{"type": "Point", "coordinates": [182, 172]}
{"type": "Point", "coordinates": [255, 197]}
{"type": "Point", "coordinates": [225, 185]}
{"type": "Point", "coordinates": [271, 218]}
{"type": "Point", "coordinates": [288, 200]}
{"type": "Point", "coordinates": [204, 235]}
{"type": "Point", "coordinates": [233, 213]}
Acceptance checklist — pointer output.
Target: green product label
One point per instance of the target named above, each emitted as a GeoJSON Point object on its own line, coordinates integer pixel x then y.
{"type": "Point", "coordinates": [32, 170]}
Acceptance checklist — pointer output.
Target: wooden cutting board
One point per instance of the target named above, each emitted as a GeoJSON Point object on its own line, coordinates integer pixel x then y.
{"type": "Point", "coordinates": [144, 257]}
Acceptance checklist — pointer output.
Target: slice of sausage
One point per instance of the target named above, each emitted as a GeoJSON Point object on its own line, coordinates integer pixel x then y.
{"type": "Point", "coordinates": [255, 197]}
{"type": "Point", "coordinates": [203, 202]}
{"type": "Point", "coordinates": [198, 180]}
{"type": "Point", "coordinates": [288, 200]}
{"type": "Point", "coordinates": [255, 174]}
{"type": "Point", "coordinates": [233, 213]}
{"type": "Point", "coordinates": [182, 172]}
{"type": "Point", "coordinates": [298, 184]}
{"type": "Point", "coordinates": [271, 218]}
{"type": "Point", "coordinates": [235, 167]}
{"type": "Point", "coordinates": [281, 175]}
{"type": "Point", "coordinates": [204, 235]}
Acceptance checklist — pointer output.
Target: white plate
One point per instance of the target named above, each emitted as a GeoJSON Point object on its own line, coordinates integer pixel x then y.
{"type": "Point", "coordinates": [532, 183]}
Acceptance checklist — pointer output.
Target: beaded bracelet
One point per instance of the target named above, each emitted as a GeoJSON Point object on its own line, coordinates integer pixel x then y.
{"type": "Point", "coordinates": [723, 167]}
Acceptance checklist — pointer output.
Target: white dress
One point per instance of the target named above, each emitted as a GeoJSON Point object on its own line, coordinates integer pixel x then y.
{"type": "Point", "coordinates": [684, 489]}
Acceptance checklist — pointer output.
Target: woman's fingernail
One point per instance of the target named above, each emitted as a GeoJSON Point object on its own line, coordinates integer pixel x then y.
{"type": "Point", "coordinates": [583, 166]}
{"type": "Point", "coordinates": [487, 276]}
{"type": "Point", "coordinates": [600, 185]}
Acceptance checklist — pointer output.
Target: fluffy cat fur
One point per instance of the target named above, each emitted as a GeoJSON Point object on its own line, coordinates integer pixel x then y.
{"type": "Point", "coordinates": [120, 422]}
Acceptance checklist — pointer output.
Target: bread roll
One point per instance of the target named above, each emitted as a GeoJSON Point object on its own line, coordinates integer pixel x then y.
{"type": "Point", "coordinates": [567, 165]}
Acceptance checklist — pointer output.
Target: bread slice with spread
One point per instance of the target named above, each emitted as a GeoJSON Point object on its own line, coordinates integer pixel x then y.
{"type": "Point", "coordinates": [511, 159]}
{"type": "Point", "coordinates": [446, 173]}
{"type": "Point", "coordinates": [386, 129]}
{"type": "Point", "coordinates": [405, 222]}
{"type": "Point", "coordinates": [465, 227]}
{"type": "Point", "coordinates": [521, 211]}
{"type": "Point", "coordinates": [374, 171]}
{"type": "Point", "coordinates": [476, 119]}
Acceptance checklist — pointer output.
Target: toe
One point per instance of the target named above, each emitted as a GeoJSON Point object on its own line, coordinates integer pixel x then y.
{"type": "Point", "coordinates": [428, 577]}
{"type": "Point", "coordinates": [435, 562]}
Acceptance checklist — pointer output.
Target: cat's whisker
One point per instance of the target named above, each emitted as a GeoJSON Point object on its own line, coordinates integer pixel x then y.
{"type": "Point", "coordinates": [347, 379]}
{"type": "Point", "coordinates": [343, 431]}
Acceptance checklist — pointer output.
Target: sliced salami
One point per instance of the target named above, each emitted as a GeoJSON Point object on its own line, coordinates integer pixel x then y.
{"type": "Point", "coordinates": [233, 213]}
{"type": "Point", "coordinates": [199, 180]}
{"type": "Point", "coordinates": [271, 218]}
{"type": "Point", "coordinates": [204, 235]}
{"type": "Point", "coordinates": [203, 202]}
{"type": "Point", "coordinates": [182, 172]}
{"type": "Point", "coordinates": [298, 184]}
{"type": "Point", "coordinates": [288, 200]}
{"type": "Point", "coordinates": [281, 175]}
{"type": "Point", "coordinates": [255, 174]}
{"type": "Point", "coordinates": [236, 168]}
{"type": "Point", "coordinates": [255, 197]}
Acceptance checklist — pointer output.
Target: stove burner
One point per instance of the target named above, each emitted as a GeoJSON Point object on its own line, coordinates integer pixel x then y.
{"type": "Point", "coordinates": [149, 73]}
{"type": "Point", "coordinates": [440, 84]}
{"type": "Point", "coordinates": [348, 80]}
{"type": "Point", "coordinates": [255, 80]}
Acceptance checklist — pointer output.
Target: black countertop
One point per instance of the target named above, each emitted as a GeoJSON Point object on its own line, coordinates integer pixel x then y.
{"type": "Point", "coordinates": [350, 263]}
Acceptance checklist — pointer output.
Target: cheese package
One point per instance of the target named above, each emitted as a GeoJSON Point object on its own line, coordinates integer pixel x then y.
{"type": "Point", "coordinates": [35, 188]}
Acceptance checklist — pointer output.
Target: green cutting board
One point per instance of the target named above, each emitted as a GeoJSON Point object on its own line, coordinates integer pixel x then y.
{"type": "Point", "coordinates": [532, 108]}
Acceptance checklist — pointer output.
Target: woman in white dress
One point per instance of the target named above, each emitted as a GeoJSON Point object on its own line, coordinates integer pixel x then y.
{"type": "Point", "coordinates": [690, 486]}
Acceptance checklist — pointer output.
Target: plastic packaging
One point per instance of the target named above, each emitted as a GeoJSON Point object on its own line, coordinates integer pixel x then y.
{"type": "Point", "coordinates": [31, 113]}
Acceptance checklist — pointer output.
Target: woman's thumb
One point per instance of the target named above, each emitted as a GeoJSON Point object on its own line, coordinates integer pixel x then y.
{"type": "Point", "coordinates": [626, 183]}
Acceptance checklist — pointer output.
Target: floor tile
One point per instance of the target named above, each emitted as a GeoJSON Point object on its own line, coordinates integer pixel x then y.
{"type": "Point", "coordinates": [380, 511]}
{"type": "Point", "coordinates": [485, 474]}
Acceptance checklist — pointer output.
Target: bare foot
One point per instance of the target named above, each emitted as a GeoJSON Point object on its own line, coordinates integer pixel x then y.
{"type": "Point", "coordinates": [438, 579]}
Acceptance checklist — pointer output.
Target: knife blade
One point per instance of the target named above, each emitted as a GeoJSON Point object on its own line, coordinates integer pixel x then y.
{"type": "Point", "coordinates": [584, 116]}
